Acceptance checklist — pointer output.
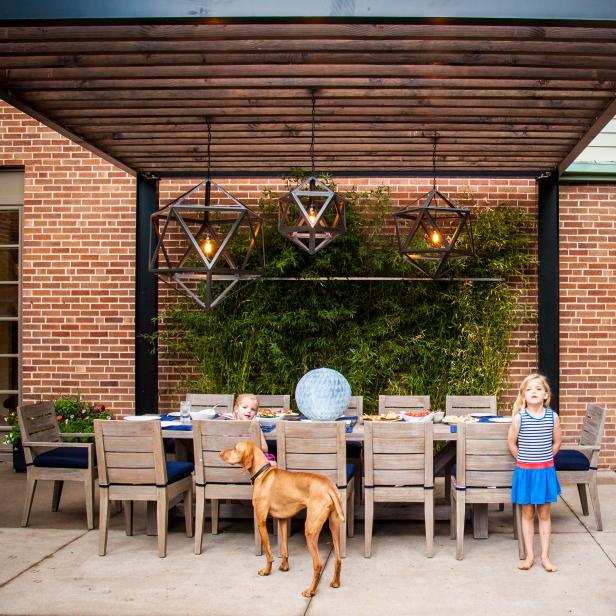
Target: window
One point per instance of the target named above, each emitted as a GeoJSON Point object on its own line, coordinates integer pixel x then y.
{"type": "Point", "coordinates": [11, 199]}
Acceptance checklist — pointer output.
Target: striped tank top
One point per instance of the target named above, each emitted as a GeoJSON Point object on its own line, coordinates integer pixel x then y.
{"type": "Point", "coordinates": [535, 440]}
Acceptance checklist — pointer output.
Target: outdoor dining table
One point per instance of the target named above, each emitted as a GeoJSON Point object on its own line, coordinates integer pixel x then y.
{"type": "Point", "coordinates": [181, 433]}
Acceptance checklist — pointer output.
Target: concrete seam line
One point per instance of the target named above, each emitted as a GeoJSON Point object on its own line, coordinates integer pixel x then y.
{"type": "Point", "coordinates": [38, 562]}
{"type": "Point", "coordinates": [588, 531]}
{"type": "Point", "coordinates": [319, 583]}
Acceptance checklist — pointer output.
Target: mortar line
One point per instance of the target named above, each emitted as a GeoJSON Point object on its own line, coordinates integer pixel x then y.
{"type": "Point", "coordinates": [319, 583]}
{"type": "Point", "coordinates": [38, 562]}
{"type": "Point", "coordinates": [588, 531]}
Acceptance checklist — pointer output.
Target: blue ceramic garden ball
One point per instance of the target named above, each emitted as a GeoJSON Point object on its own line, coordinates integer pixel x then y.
{"type": "Point", "coordinates": [322, 394]}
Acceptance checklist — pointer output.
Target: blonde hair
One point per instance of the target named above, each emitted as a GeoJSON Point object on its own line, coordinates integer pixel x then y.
{"type": "Point", "coordinates": [520, 401]}
{"type": "Point", "coordinates": [243, 397]}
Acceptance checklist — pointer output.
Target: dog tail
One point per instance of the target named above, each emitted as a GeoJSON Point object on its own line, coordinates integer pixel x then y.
{"type": "Point", "coordinates": [335, 497]}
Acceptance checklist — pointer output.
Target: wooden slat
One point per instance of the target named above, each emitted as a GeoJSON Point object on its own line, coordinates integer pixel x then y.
{"type": "Point", "coordinates": [493, 462]}
{"type": "Point", "coordinates": [398, 495]}
{"type": "Point", "coordinates": [312, 462]}
{"type": "Point", "coordinates": [398, 477]}
{"type": "Point", "coordinates": [211, 458]}
{"type": "Point", "coordinates": [487, 446]}
{"type": "Point", "coordinates": [311, 445]}
{"type": "Point", "coordinates": [230, 474]}
{"type": "Point", "coordinates": [127, 429]}
{"type": "Point", "coordinates": [489, 478]}
{"type": "Point", "coordinates": [330, 474]}
{"type": "Point", "coordinates": [403, 445]}
{"type": "Point", "coordinates": [131, 475]}
{"type": "Point", "coordinates": [218, 443]}
{"type": "Point", "coordinates": [129, 460]}
{"type": "Point", "coordinates": [496, 496]}
{"type": "Point", "coordinates": [399, 461]}
{"type": "Point", "coordinates": [125, 444]}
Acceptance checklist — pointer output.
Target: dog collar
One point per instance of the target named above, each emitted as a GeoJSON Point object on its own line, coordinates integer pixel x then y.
{"type": "Point", "coordinates": [264, 468]}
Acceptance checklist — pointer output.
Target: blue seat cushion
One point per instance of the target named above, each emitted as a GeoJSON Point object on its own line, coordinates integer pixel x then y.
{"type": "Point", "coordinates": [350, 468]}
{"type": "Point", "coordinates": [178, 470]}
{"type": "Point", "coordinates": [571, 460]}
{"type": "Point", "coordinates": [64, 457]}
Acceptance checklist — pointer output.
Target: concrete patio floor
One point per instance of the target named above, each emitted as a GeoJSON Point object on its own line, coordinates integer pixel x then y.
{"type": "Point", "coordinates": [53, 568]}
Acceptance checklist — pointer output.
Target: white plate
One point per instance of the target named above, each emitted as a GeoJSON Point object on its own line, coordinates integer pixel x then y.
{"type": "Point", "coordinates": [424, 419]}
{"type": "Point", "coordinates": [500, 420]}
{"type": "Point", "coordinates": [141, 417]}
{"type": "Point", "coordinates": [166, 424]}
{"type": "Point", "coordinates": [478, 415]}
{"type": "Point", "coordinates": [175, 414]}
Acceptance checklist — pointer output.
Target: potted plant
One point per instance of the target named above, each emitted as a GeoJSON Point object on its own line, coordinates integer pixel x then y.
{"type": "Point", "coordinates": [73, 415]}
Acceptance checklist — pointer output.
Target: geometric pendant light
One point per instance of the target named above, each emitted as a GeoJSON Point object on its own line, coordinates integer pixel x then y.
{"type": "Point", "coordinates": [312, 215]}
{"type": "Point", "coordinates": [432, 231]}
{"type": "Point", "coordinates": [205, 242]}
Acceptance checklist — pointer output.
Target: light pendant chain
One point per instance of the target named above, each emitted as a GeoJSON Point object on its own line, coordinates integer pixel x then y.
{"type": "Point", "coordinates": [209, 147]}
{"type": "Point", "coordinates": [434, 163]}
{"type": "Point", "coordinates": [314, 103]}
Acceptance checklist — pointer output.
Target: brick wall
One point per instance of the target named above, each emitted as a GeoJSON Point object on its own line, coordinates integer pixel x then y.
{"type": "Point", "coordinates": [78, 267]}
{"type": "Point", "coordinates": [588, 307]}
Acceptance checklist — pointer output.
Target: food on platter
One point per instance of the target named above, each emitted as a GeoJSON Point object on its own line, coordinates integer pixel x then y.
{"type": "Point", "coordinates": [270, 413]}
{"type": "Point", "coordinates": [391, 416]}
{"type": "Point", "coordinates": [417, 416]}
{"type": "Point", "coordinates": [454, 419]}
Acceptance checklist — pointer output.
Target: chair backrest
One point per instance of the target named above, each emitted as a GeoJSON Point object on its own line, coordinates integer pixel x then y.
{"type": "Point", "coordinates": [396, 404]}
{"type": "Point", "coordinates": [356, 406]}
{"type": "Point", "coordinates": [276, 402]}
{"type": "Point", "coordinates": [464, 405]}
{"type": "Point", "coordinates": [222, 402]}
{"type": "Point", "coordinates": [593, 426]}
{"type": "Point", "coordinates": [483, 459]}
{"type": "Point", "coordinates": [130, 452]}
{"type": "Point", "coordinates": [313, 446]}
{"type": "Point", "coordinates": [210, 437]}
{"type": "Point", "coordinates": [38, 422]}
{"type": "Point", "coordinates": [398, 454]}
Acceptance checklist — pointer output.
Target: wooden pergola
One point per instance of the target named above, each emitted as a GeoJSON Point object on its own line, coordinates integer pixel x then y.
{"type": "Point", "coordinates": [518, 94]}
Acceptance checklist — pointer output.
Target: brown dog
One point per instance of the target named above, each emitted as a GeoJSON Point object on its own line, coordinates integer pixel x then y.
{"type": "Point", "coordinates": [282, 494]}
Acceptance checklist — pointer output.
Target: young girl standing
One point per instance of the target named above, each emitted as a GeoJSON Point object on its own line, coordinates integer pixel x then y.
{"type": "Point", "coordinates": [534, 438]}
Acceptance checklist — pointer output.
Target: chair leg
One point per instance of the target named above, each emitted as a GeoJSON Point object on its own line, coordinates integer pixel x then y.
{"type": "Point", "coordinates": [583, 497]}
{"type": "Point", "coordinates": [368, 522]}
{"type": "Point", "coordinates": [343, 527]}
{"type": "Point", "coordinates": [594, 498]}
{"type": "Point", "coordinates": [162, 517]}
{"type": "Point", "coordinates": [57, 494]}
{"type": "Point", "coordinates": [89, 489]}
{"type": "Point", "coordinates": [429, 518]}
{"type": "Point", "coordinates": [30, 489]}
{"type": "Point", "coordinates": [128, 517]}
{"type": "Point", "coordinates": [103, 524]}
{"type": "Point", "coordinates": [199, 518]}
{"type": "Point", "coordinates": [351, 518]}
{"type": "Point", "coordinates": [188, 512]}
{"type": "Point", "coordinates": [501, 506]}
{"type": "Point", "coordinates": [452, 513]}
{"type": "Point", "coordinates": [258, 542]}
{"type": "Point", "coordinates": [460, 511]}
{"type": "Point", "coordinates": [215, 513]}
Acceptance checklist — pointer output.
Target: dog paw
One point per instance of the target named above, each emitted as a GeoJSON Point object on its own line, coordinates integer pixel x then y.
{"type": "Point", "coordinates": [263, 572]}
{"type": "Point", "coordinates": [283, 567]}
{"type": "Point", "coordinates": [335, 584]}
{"type": "Point", "coordinates": [308, 593]}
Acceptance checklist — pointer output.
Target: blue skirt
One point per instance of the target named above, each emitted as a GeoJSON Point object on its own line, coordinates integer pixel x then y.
{"type": "Point", "coordinates": [536, 486]}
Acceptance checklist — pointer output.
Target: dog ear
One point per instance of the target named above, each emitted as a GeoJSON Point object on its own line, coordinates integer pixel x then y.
{"type": "Point", "coordinates": [246, 453]}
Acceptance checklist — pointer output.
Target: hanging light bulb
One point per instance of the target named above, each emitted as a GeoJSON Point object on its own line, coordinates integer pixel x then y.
{"type": "Point", "coordinates": [312, 215]}
{"type": "Point", "coordinates": [436, 239]}
{"type": "Point", "coordinates": [207, 246]}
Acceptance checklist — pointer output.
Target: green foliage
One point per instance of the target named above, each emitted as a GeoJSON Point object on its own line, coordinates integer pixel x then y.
{"type": "Point", "coordinates": [73, 415]}
{"type": "Point", "coordinates": [385, 337]}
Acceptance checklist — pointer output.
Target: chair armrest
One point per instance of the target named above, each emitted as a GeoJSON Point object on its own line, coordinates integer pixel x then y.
{"type": "Point", "coordinates": [77, 434]}
{"type": "Point", "coordinates": [55, 444]}
{"type": "Point", "coordinates": [581, 448]}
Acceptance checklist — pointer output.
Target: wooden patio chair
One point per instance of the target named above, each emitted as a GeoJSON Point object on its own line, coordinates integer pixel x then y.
{"type": "Point", "coordinates": [484, 470]}
{"type": "Point", "coordinates": [274, 401]}
{"type": "Point", "coordinates": [577, 463]}
{"type": "Point", "coordinates": [222, 402]}
{"type": "Point", "coordinates": [319, 447]}
{"type": "Point", "coordinates": [214, 478]}
{"type": "Point", "coordinates": [403, 403]}
{"type": "Point", "coordinates": [398, 469]}
{"type": "Point", "coordinates": [355, 407]}
{"type": "Point", "coordinates": [465, 405]}
{"type": "Point", "coordinates": [132, 467]}
{"type": "Point", "coordinates": [460, 405]}
{"type": "Point", "coordinates": [48, 458]}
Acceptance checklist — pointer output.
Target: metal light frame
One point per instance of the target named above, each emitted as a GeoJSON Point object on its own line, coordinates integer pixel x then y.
{"type": "Point", "coordinates": [190, 264]}
{"type": "Point", "coordinates": [303, 212]}
{"type": "Point", "coordinates": [425, 243]}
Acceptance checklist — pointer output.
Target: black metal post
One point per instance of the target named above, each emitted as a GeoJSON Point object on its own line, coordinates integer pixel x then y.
{"type": "Point", "coordinates": [549, 303]}
{"type": "Point", "coordinates": [146, 302]}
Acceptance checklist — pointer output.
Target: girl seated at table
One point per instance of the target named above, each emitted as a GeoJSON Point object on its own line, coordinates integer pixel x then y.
{"type": "Point", "coordinates": [245, 408]}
